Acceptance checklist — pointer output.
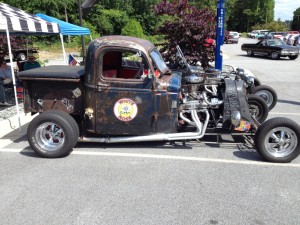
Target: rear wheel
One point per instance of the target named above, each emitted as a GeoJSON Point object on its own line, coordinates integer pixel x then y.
{"type": "Point", "coordinates": [278, 140]}
{"type": "Point", "coordinates": [266, 93]}
{"type": "Point", "coordinates": [258, 108]}
{"type": "Point", "coordinates": [53, 134]}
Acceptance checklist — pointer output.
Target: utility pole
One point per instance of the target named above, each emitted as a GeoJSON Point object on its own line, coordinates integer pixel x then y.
{"type": "Point", "coordinates": [220, 34]}
{"type": "Point", "coordinates": [82, 37]}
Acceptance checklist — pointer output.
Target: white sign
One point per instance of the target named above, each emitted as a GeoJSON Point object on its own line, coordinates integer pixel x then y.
{"type": "Point", "coordinates": [3, 23]}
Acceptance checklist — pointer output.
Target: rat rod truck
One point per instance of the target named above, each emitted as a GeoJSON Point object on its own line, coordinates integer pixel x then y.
{"type": "Point", "coordinates": [126, 93]}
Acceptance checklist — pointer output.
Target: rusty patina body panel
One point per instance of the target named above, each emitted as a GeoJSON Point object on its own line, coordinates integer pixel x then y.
{"type": "Point", "coordinates": [109, 105]}
{"type": "Point", "coordinates": [154, 100]}
{"type": "Point", "coordinates": [46, 91]}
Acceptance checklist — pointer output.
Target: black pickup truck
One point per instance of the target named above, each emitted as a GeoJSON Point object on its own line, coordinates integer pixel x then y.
{"type": "Point", "coordinates": [126, 93]}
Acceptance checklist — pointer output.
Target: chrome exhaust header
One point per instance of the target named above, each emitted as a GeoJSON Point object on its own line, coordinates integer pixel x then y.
{"type": "Point", "coordinates": [198, 134]}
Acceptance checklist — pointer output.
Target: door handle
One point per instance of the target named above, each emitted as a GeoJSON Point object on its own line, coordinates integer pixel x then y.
{"type": "Point", "coordinates": [102, 87]}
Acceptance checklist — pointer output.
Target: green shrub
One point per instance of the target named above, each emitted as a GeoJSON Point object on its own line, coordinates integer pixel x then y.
{"type": "Point", "coordinates": [133, 28]}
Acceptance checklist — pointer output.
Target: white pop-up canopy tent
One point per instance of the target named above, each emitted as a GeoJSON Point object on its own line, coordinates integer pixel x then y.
{"type": "Point", "coordinates": [16, 21]}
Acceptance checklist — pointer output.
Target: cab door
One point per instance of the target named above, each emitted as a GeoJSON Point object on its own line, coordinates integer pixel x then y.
{"type": "Point", "coordinates": [125, 104]}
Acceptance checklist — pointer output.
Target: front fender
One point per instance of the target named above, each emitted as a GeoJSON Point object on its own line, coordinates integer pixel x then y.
{"type": "Point", "coordinates": [235, 101]}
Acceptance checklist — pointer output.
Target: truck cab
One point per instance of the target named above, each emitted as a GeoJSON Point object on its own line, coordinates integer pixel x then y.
{"type": "Point", "coordinates": [125, 88]}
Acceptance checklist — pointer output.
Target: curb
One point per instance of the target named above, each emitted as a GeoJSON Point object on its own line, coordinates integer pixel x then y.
{"type": "Point", "coordinates": [9, 128]}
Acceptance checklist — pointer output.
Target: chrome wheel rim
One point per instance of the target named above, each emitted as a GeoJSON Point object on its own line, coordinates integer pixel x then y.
{"type": "Point", "coordinates": [266, 96]}
{"type": "Point", "coordinates": [249, 52]}
{"type": "Point", "coordinates": [255, 111]}
{"type": "Point", "coordinates": [23, 57]}
{"type": "Point", "coordinates": [274, 55]}
{"type": "Point", "coordinates": [50, 136]}
{"type": "Point", "coordinates": [281, 142]}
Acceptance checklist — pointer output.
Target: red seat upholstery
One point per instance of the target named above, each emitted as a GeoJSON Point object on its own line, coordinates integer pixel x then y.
{"type": "Point", "coordinates": [109, 73]}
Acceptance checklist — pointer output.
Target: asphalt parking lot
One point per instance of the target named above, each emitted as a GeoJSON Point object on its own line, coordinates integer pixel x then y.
{"type": "Point", "coordinates": [151, 183]}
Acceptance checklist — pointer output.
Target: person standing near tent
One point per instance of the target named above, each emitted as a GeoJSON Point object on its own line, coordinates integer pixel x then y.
{"type": "Point", "coordinates": [31, 63]}
{"type": "Point", "coordinates": [5, 78]}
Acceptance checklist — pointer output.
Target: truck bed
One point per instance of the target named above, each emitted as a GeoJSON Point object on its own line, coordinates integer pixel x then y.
{"type": "Point", "coordinates": [53, 87]}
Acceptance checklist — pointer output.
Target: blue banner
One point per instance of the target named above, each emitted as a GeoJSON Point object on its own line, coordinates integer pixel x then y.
{"type": "Point", "coordinates": [220, 34]}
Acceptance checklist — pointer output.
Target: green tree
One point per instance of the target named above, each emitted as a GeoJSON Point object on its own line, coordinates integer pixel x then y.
{"type": "Point", "coordinates": [190, 28]}
{"type": "Point", "coordinates": [296, 20]}
{"type": "Point", "coordinates": [246, 13]}
{"type": "Point", "coordinates": [133, 28]}
{"type": "Point", "coordinates": [272, 26]}
{"type": "Point", "coordinates": [107, 21]}
{"type": "Point", "coordinates": [55, 8]}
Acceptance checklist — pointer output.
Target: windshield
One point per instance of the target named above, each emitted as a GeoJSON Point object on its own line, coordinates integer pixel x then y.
{"type": "Point", "coordinates": [158, 60]}
{"type": "Point", "coordinates": [275, 42]}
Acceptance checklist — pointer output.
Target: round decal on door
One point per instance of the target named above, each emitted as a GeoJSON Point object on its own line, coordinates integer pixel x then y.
{"type": "Point", "coordinates": [125, 109]}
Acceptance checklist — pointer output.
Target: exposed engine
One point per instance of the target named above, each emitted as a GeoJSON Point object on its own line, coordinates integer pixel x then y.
{"type": "Point", "coordinates": [201, 91]}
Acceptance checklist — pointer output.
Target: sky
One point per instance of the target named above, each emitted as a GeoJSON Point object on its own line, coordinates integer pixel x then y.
{"type": "Point", "coordinates": [284, 9]}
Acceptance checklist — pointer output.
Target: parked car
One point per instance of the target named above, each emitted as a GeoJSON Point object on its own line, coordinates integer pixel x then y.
{"type": "Point", "coordinates": [293, 32]}
{"type": "Point", "coordinates": [277, 35]}
{"type": "Point", "coordinates": [257, 33]}
{"type": "Point", "coordinates": [274, 48]}
{"type": "Point", "coordinates": [231, 37]}
{"type": "Point", "coordinates": [261, 34]}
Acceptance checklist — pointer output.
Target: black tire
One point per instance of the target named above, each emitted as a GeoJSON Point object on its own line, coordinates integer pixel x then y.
{"type": "Point", "coordinates": [250, 52]}
{"type": "Point", "coordinates": [70, 119]}
{"type": "Point", "coordinates": [293, 57]}
{"type": "Point", "coordinates": [274, 55]}
{"type": "Point", "coordinates": [53, 134]}
{"type": "Point", "coordinates": [256, 82]}
{"type": "Point", "coordinates": [258, 108]}
{"type": "Point", "coordinates": [21, 56]}
{"type": "Point", "coordinates": [266, 93]}
{"type": "Point", "coordinates": [10, 96]}
{"type": "Point", "coordinates": [273, 149]}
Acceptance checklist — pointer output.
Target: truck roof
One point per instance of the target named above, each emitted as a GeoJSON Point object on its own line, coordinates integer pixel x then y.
{"type": "Point", "coordinates": [124, 41]}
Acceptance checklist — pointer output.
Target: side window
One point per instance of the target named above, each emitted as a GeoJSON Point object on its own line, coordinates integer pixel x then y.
{"type": "Point", "coordinates": [125, 64]}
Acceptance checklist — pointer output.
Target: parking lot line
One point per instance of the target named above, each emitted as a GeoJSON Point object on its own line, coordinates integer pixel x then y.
{"type": "Point", "coordinates": [279, 113]}
{"type": "Point", "coordinates": [171, 157]}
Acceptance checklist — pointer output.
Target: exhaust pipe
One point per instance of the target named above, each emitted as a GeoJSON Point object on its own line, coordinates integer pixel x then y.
{"type": "Point", "coordinates": [198, 134]}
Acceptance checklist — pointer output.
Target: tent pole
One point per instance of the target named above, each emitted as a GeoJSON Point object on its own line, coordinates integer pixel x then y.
{"type": "Point", "coordinates": [13, 76]}
{"type": "Point", "coordinates": [63, 48]}
{"type": "Point", "coordinates": [27, 46]}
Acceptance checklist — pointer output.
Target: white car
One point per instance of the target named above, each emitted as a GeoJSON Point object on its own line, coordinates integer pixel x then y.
{"type": "Point", "coordinates": [233, 37]}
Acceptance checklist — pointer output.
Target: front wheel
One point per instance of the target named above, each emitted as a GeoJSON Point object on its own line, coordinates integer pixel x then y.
{"type": "Point", "coordinates": [278, 140]}
{"type": "Point", "coordinates": [250, 52]}
{"type": "Point", "coordinates": [258, 108]}
{"type": "Point", "coordinates": [256, 82]}
{"type": "Point", "coordinates": [266, 93]}
{"type": "Point", "coordinates": [274, 55]}
{"type": "Point", "coordinates": [293, 57]}
{"type": "Point", "coordinates": [53, 134]}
